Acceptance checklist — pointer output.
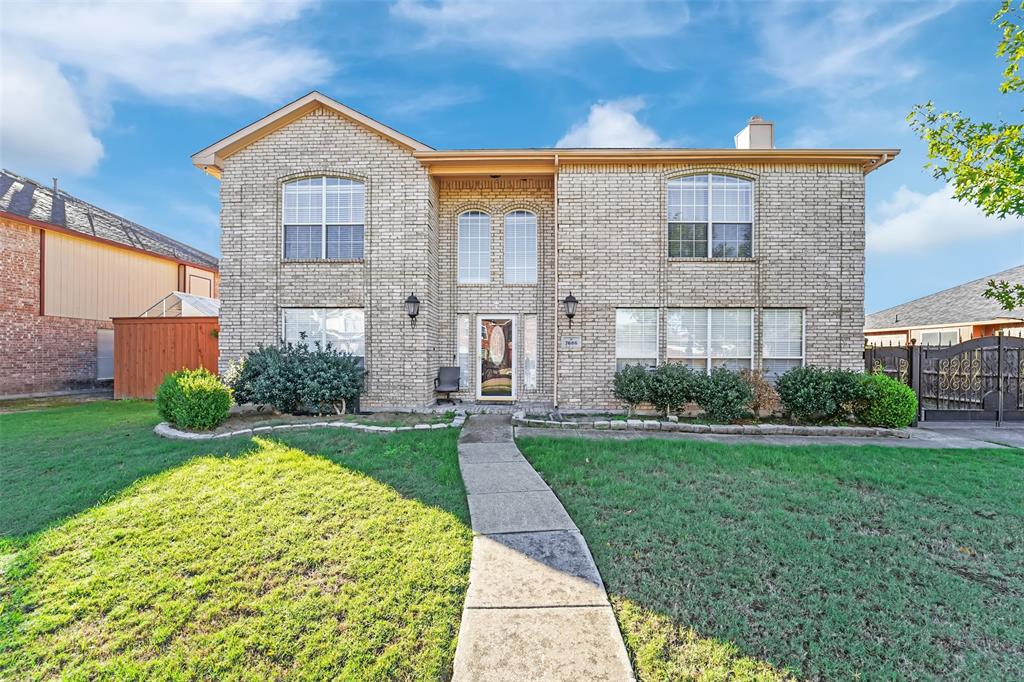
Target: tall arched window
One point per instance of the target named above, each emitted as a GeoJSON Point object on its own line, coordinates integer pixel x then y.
{"type": "Point", "coordinates": [474, 247]}
{"type": "Point", "coordinates": [324, 219]}
{"type": "Point", "coordinates": [520, 247]}
{"type": "Point", "coordinates": [710, 216]}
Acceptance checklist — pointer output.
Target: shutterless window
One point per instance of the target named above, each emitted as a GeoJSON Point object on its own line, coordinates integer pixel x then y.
{"type": "Point", "coordinates": [474, 247]}
{"type": "Point", "coordinates": [530, 352]}
{"type": "Point", "coordinates": [710, 216]}
{"type": "Point", "coordinates": [520, 247]}
{"type": "Point", "coordinates": [462, 344]}
{"type": "Point", "coordinates": [324, 219]}
{"type": "Point", "coordinates": [343, 328]}
{"type": "Point", "coordinates": [705, 338]}
{"type": "Point", "coordinates": [940, 337]}
{"type": "Point", "coordinates": [782, 347]}
{"type": "Point", "coordinates": [636, 337]}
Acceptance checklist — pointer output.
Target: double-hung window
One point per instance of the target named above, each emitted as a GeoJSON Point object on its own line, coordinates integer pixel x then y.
{"type": "Point", "coordinates": [705, 338]}
{"type": "Point", "coordinates": [782, 347]}
{"type": "Point", "coordinates": [474, 247]}
{"type": "Point", "coordinates": [710, 216]}
{"type": "Point", "coordinates": [324, 219]}
{"type": "Point", "coordinates": [520, 247]}
{"type": "Point", "coordinates": [636, 337]}
{"type": "Point", "coordinates": [340, 327]}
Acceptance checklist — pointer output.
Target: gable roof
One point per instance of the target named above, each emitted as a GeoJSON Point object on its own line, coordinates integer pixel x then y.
{"type": "Point", "coordinates": [959, 304]}
{"type": "Point", "coordinates": [210, 158]}
{"type": "Point", "coordinates": [21, 197]}
{"type": "Point", "coordinates": [520, 161]}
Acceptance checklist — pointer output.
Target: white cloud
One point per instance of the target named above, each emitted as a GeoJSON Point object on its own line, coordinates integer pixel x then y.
{"type": "Point", "coordinates": [85, 55]}
{"type": "Point", "coordinates": [911, 220]}
{"type": "Point", "coordinates": [524, 32]}
{"type": "Point", "coordinates": [435, 99]}
{"type": "Point", "coordinates": [842, 50]}
{"type": "Point", "coordinates": [613, 124]}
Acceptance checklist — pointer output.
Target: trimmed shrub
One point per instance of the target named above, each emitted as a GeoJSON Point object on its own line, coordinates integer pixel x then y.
{"type": "Point", "coordinates": [329, 380]}
{"type": "Point", "coordinates": [293, 378]}
{"type": "Point", "coordinates": [673, 385]}
{"type": "Point", "coordinates": [724, 395]}
{"type": "Point", "coordinates": [765, 397]}
{"type": "Point", "coordinates": [812, 394]}
{"type": "Point", "coordinates": [886, 402]}
{"type": "Point", "coordinates": [193, 399]}
{"type": "Point", "coordinates": [632, 386]}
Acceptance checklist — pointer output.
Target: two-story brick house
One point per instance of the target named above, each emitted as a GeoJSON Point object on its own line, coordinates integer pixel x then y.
{"type": "Point", "coordinates": [748, 257]}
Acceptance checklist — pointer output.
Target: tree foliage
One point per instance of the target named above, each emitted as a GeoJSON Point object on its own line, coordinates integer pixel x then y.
{"type": "Point", "coordinates": [983, 160]}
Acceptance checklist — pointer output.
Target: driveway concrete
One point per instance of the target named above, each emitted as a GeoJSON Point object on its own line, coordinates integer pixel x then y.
{"type": "Point", "coordinates": [536, 608]}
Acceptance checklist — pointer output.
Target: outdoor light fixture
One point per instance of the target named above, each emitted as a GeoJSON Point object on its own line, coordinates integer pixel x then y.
{"type": "Point", "coordinates": [412, 306]}
{"type": "Point", "coordinates": [570, 303]}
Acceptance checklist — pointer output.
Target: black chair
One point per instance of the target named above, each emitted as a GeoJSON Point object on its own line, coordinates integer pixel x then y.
{"type": "Point", "coordinates": [447, 382]}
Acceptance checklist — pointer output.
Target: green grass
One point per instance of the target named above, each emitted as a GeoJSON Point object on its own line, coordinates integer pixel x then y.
{"type": "Point", "coordinates": [325, 554]}
{"type": "Point", "coordinates": [760, 562]}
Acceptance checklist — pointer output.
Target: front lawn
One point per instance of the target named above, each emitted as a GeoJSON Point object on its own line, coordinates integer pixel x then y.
{"type": "Point", "coordinates": [318, 555]}
{"type": "Point", "coordinates": [821, 562]}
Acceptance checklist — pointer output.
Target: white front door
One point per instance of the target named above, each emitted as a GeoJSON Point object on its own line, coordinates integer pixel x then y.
{"type": "Point", "coordinates": [496, 367]}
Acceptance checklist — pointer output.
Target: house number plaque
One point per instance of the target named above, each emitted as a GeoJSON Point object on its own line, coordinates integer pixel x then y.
{"type": "Point", "coordinates": [570, 343]}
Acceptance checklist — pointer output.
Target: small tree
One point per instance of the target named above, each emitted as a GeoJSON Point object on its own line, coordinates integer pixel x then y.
{"type": "Point", "coordinates": [765, 397]}
{"type": "Point", "coordinates": [632, 386]}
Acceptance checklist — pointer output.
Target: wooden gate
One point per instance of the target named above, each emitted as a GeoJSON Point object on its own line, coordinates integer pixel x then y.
{"type": "Point", "coordinates": [977, 380]}
{"type": "Point", "coordinates": [148, 348]}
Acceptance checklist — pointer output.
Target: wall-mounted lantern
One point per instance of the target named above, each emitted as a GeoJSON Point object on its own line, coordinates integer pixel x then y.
{"type": "Point", "coordinates": [412, 306]}
{"type": "Point", "coordinates": [570, 304]}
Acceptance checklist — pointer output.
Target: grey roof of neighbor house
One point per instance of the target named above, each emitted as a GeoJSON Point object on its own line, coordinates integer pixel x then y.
{"type": "Point", "coordinates": [21, 196]}
{"type": "Point", "coordinates": [963, 303]}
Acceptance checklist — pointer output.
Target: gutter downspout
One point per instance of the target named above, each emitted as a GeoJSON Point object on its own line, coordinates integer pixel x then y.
{"type": "Point", "coordinates": [554, 364]}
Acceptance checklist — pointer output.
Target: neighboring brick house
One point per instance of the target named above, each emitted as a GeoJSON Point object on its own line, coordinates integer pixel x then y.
{"type": "Point", "coordinates": [947, 317]}
{"type": "Point", "coordinates": [66, 268]}
{"type": "Point", "coordinates": [748, 257]}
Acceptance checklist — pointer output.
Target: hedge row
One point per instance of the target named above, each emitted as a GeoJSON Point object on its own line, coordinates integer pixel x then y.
{"type": "Point", "coordinates": [805, 394]}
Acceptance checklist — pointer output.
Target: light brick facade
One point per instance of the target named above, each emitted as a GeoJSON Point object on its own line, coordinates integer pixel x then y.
{"type": "Point", "coordinates": [601, 235]}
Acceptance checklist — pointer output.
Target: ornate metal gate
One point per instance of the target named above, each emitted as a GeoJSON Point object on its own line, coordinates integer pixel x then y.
{"type": "Point", "coordinates": [977, 380]}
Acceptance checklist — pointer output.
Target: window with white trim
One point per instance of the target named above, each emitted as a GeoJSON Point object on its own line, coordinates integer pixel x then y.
{"type": "Point", "coordinates": [705, 338]}
{"type": "Point", "coordinates": [520, 247]}
{"type": "Point", "coordinates": [782, 341]}
{"type": "Point", "coordinates": [474, 247]}
{"type": "Point", "coordinates": [710, 216]}
{"type": "Point", "coordinates": [530, 352]}
{"type": "Point", "coordinates": [323, 218]}
{"type": "Point", "coordinates": [462, 341]}
{"type": "Point", "coordinates": [343, 328]}
{"type": "Point", "coordinates": [636, 337]}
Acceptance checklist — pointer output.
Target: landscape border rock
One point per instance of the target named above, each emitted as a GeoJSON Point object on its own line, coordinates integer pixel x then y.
{"type": "Point", "coordinates": [724, 429]}
{"type": "Point", "coordinates": [165, 430]}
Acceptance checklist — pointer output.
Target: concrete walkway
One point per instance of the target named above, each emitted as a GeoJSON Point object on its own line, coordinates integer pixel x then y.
{"type": "Point", "coordinates": [536, 607]}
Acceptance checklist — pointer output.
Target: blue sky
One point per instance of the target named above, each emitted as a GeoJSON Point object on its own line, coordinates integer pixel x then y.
{"type": "Point", "coordinates": [113, 97]}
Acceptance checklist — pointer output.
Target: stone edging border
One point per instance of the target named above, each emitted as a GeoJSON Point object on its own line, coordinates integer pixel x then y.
{"type": "Point", "coordinates": [723, 429]}
{"type": "Point", "coordinates": [165, 430]}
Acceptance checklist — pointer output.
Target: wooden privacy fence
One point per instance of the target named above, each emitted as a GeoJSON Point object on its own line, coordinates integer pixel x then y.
{"type": "Point", "coordinates": [976, 380]}
{"type": "Point", "coordinates": [148, 348]}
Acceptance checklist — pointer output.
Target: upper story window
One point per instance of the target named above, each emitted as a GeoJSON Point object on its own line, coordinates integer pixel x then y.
{"type": "Point", "coordinates": [474, 247]}
{"type": "Point", "coordinates": [710, 216]}
{"type": "Point", "coordinates": [324, 219]}
{"type": "Point", "coordinates": [520, 247]}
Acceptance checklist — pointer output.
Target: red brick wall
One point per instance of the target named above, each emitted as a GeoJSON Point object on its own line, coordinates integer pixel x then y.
{"type": "Point", "coordinates": [38, 354]}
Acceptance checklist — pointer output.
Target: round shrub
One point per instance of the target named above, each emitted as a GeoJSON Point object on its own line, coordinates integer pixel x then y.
{"type": "Point", "coordinates": [724, 395]}
{"type": "Point", "coordinates": [193, 399]}
{"type": "Point", "coordinates": [632, 385]}
{"type": "Point", "coordinates": [329, 380]}
{"type": "Point", "coordinates": [673, 385]}
{"type": "Point", "coordinates": [886, 402]}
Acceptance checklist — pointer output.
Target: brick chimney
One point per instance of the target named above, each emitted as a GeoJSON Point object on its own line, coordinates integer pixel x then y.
{"type": "Point", "coordinates": [759, 134]}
